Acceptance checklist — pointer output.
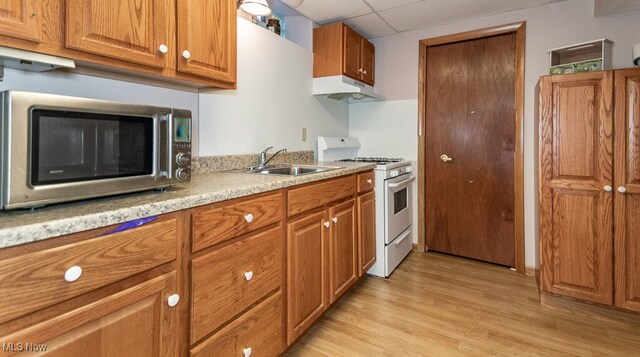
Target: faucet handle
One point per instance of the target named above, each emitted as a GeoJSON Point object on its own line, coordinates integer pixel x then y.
{"type": "Point", "coordinates": [267, 149]}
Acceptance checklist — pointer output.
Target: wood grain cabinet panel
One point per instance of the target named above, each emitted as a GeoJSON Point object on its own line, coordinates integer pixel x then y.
{"type": "Point", "coordinates": [343, 248]}
{"type": "Point", "coordinates": [228, 280]}
{"type": "Point", "coordinates": [366, 232]}
{"type": "Point", "coordinates": [627, 178]}
{"type": "Point", "coordinates": [308, 197]}
{"type": "Point", "coordinates": [368, 62]}
{"type": "Point", "coordinates": [351, 61]}
{"type": "Point", "coordinates": [307, 272]}
{"type": "Point", "coordinates": [207, 38]}
{"type": "Point", "coordinates": [366, 182]}
{"type": "Point", "coordinates": [21, 19]}
{"type": "Point", "coordinates": [134, 322]}
{"type": "Point", "coordinates": [103, 261]}
{"type": "Point", "coordinates": [130, 30]}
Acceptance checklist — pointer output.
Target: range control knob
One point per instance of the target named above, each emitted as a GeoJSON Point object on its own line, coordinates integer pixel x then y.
{"type": "Point", "coordinates": [183, 158]}
{"type": "Point", "coordinates": [182, 174]}
{"type": "Point", "coordinates": [393, 173]}
{"type": "Point", "coordinates": [409, 169]}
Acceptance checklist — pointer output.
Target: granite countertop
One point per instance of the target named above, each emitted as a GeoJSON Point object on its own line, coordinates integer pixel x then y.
{"type": "Point", "coordinates": [25, 226]}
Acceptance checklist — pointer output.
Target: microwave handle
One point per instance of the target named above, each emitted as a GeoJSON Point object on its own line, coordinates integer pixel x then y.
{"type": "Point", "coordinates": [169, 122]}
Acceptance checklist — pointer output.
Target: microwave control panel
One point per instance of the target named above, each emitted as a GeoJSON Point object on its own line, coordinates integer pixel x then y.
{"type": "Point", "coordinates": [182, 145]}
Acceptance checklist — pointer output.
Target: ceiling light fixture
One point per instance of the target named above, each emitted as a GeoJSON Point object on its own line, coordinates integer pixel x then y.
{"type": "Point", "coordinates": [255, 7]}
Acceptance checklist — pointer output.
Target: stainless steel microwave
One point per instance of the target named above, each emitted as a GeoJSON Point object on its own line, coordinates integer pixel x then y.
{"type": "Point", "coordinates": [57, 148]}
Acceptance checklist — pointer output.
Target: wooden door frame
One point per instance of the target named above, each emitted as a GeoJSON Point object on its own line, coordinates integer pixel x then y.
{"type": "Point", "coordinates": [518, 29]}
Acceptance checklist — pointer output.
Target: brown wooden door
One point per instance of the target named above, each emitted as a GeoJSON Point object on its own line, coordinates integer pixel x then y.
{"type": "Point", "coordinates": [351, 62]}
{"type": "Point", "coordinates": [134, 322]}
{"type": "Point", "coordinates": [21, 19]}
{"type": "Point", "coordinates": [627, 177]}
{"type": "Point", "coordinates": [366, 232]}
{"type": "Point", "coordinates": [128, 30]}
{"type": "Point", "coordinates": [470, 118]}
{"type": "Point", "coordinates": [343, 249]}
{"type": "Point", "coordinates": [576, 164]}
{"type": "Point", "coordinates": [307, 272]}
{"type": "Point", "coordinates": [207, 38]}
{"type": "Point", "coordinates": [368, 62]}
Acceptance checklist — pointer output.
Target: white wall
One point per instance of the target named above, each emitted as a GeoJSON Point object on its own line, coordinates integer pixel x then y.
{"type": "Point", "coordinates": [548, 27]}
{"type": "Point", "coordinates": [65, 83]}
{"type": "Point", "coordinates": [273, 101]}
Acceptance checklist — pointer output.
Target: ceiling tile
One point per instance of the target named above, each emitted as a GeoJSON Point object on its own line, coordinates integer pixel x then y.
{"type": "Point", "coordinates": [370, 26]}
{"type": "Point", "coordinates": [379, 5]}
{"type": "Point", "coordinates": [325, 11]}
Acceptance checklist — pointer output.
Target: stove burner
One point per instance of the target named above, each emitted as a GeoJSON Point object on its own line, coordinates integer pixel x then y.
{"type": "Point", "coordinates": [377, 160]}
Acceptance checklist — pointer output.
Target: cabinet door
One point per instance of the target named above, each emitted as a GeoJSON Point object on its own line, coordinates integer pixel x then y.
{"type": "Point", "coordinates": [21, 19]}
{"type": "Point", "coordinates": [133, 322]}
{"type": "Point", "coordinates": [627, 179]}
{"type": "Point", "coordinates": [343, 255]}
{"type": "Point", "coordinates": [207, 38]}
{"type": "Point", "coordinates": [368, 62]}
{"type": "Point", "coordinates": [129, 30]}
{"type": "Point", "coordinates": [351, 64]}
{"type": "Point", "coordinates": [366, 232]}
{"type": "Point", "coordinates": [576, 168]}
{"type": "Point", "coordinates": [307, 272]}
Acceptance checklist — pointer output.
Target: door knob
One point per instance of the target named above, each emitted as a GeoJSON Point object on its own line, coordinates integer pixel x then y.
{"type": "Point", "coordinates": [445, 158]}
{"type": "Point", "coordinates": [608, 188]}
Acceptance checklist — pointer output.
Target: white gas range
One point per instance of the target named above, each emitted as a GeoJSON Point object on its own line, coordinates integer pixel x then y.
{"type": "Point", "coordinates": [393, 200]}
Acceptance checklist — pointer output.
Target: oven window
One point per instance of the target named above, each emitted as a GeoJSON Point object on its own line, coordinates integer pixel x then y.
{"type": "Point", "coordinates": [400, 200]}
{"type": "Point", "coordinates": [72, 146]}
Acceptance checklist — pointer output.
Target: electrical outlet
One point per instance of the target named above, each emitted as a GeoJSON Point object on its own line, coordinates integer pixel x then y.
{"type": "Point", "coordinates": [304, 134]}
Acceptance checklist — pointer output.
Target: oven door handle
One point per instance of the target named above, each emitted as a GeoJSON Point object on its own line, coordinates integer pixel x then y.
{"type": "Point", "coordinates": [403, 237]}
{"type": "Point", "coordinates": [401, 183]}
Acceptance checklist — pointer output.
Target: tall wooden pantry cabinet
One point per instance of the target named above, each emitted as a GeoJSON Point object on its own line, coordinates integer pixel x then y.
{"type": "Point", "coordinates": [590, 186]}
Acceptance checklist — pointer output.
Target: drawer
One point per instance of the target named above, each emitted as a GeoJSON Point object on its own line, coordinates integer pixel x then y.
{"type": "Point", "coordinates": [317, 195]}
{"type": "Point", "coordinates": [37, 280]}
{"type": "Point", "coordinates": [227, 281]}
{"type": "Point", "coordinates": [366, 181]}
{"type": "Point", "coordinates": [261, 329]}
{"type": "Point", "coordinates": [220, 223]}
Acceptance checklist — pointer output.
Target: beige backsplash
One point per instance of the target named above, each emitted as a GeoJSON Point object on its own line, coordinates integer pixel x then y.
{"type": "Point", "coordinates": [208, 164]}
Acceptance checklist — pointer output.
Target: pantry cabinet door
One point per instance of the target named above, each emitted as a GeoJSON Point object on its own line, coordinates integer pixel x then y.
{"type": "Point", "coordinates": [21, 19]}
{"type": "Point", "coordinates": [138, 31]}
{"type": "Point", "coordinates": [576, 172]}
{"type": "Point", "coordinates": [627, 189]}
{"type": "Point", "coordinates": [207, 39]}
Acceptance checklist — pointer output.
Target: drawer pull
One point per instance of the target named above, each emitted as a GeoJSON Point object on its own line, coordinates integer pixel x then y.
{"type": "Point", "coordinates": [335, 219]}
{"type": "Point", "coordinates": [249, 217]}
{"type": "Point", "coordinates": [173, 300]}
{"type": "Point", "coordinates": [327, 224]}
{"type": "Point", "coordinates": [72, 274]}
{"type": "Point", "coordinates": [248, 275]}
{"type": "Point", "coordinates": [247, 352]}
{"type": "Point", "coordinates": [369, 181]}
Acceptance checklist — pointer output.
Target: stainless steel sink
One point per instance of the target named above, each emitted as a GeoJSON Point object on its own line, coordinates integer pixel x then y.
{"type": "Point", "coordinates": [293, 170]}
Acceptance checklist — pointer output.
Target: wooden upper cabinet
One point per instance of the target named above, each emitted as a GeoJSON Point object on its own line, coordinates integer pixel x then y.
{"type": "Point", "coordinates": [576, 172]}
{"type": "Point", "coordinates": [627, 189]}
{"type": "Point", "coordinates": [139, 31]}
{"type": "Point", "coordinates": [207, 38]}
{"type": "Point", "coordinates": [339, 50]}
{"type": "Point", "coordinates": [21, 19]}
{"type": "Point", "coordinates": [343, 248]}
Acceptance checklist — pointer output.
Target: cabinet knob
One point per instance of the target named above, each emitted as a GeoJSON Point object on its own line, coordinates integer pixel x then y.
{"type": "Point", "coordinates": [249, 217]}
{"type": "Point", "coordinates": [248, 275]}
{"type": "Point", "coordinates": [364, 72]}
{"type": "Point", "coordinates": [335, 219]}
{"type": "Point", "coordinates": [186, 54]}
{"type": "Point", "coordinates": [327, 224]}
{"type": "Point", "coordinates": [360, 70]}
{"type": "Point", "coordinates": [246, 352]}
{"type": "Point", "coordinates": [622, 189]}
{"type": "Point", "coordinates": [163, 48]}
{"type": "Point", "coordinates": [72, 274]}
{"type": "Point", "coordinates": [173, 300]}
{"type": "Point", "coordinates": [369, 181]}
{"type": "Point", "coordinates": [608, 188]}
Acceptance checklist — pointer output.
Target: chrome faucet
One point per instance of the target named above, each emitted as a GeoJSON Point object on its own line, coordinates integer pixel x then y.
{"type": "Point", "coordinates": [263, 161]}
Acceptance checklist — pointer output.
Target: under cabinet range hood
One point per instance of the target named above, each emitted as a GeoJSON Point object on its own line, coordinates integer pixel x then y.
{"type": "Point", "coordinates": [31, 61]}
{"type": "Point", "coordinates": [343, 87]}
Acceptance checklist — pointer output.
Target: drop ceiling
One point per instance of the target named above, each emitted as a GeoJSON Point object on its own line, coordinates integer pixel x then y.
{"type": "Point", "coordinates": [376, 18]}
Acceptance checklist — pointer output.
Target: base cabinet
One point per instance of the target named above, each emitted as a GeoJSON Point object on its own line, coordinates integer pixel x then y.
{"type": "Point", "coordinates": [343, 248]}
{"type": "Point", "coordinates": [366, 232]}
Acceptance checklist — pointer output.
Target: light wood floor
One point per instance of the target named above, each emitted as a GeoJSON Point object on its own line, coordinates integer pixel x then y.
{"type": "Point", "coordinates": [438, 305]}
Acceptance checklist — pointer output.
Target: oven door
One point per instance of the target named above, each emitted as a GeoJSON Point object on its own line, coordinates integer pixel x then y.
{"type": "Point", "coordinates": [397, 209]}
